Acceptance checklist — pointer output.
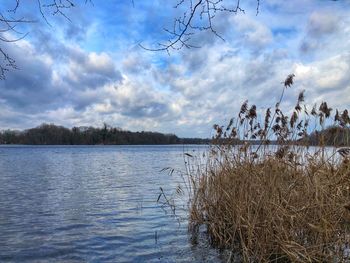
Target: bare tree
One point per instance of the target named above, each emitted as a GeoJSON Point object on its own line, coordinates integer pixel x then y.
{"type": "Point", "coordinates": [10, 21]}
{"type": "Point", "coordinates": [8, 26]}
{"type": "Point", "coordinates": [198, 16]}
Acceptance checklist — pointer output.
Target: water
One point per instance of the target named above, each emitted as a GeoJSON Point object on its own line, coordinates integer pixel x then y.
{"type": "Point", "coordinates": [92, 204]}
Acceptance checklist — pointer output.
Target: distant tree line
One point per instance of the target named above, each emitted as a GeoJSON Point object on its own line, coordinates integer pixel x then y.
{"type": "Point", "coordinates": [50, 134]}
{"type": "Point", "coordinates": [336, 136]}
{"type": "Point", "coordinates": [332, 136]}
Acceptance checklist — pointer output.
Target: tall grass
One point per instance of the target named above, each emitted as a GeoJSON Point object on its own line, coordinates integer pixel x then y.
{"type": "Point", "coordinates": [283, 203]}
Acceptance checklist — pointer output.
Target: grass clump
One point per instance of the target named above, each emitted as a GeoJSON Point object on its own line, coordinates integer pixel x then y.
{"type": "Point", "coordinates": [286, 202]}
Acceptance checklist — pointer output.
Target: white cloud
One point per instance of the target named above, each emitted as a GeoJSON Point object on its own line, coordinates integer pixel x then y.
{"type": "Point", "coordinates": [326, 79]}
{"type": "Point", "coordinates": [321, 23]}
{"type": "Point", "coordinates": [255, 33]}
{"type": "Point", "coordinates": [189, 91]}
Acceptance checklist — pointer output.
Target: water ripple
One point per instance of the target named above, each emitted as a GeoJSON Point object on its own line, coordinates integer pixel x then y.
{"type": "Point", "coordinates": [91, 204]}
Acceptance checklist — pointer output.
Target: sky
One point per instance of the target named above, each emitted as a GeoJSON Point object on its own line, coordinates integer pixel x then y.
{"type": "Point", "coordinates": [91, 70]}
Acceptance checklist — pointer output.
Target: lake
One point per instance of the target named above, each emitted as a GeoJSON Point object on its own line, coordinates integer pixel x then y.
{"type": "Point", "coordinates": [93, 203]}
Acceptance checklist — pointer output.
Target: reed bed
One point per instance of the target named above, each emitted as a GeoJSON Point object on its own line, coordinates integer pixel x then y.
{"type": "Point", "coordinates": [283, 203]}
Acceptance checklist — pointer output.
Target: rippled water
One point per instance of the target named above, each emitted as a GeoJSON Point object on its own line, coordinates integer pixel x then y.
{"type": "Point", "coordinates": [95, 204]}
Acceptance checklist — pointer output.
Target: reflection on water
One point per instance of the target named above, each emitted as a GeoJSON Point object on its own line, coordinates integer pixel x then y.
{"type": "Point", "coordinates": [95, 203]}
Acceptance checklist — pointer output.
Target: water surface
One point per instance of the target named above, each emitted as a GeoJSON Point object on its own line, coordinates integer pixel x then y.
{"type": "Point", "coordinates": [92, 203]}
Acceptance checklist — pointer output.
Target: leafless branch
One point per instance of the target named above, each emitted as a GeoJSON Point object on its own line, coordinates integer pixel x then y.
{"type": "Point", "coordinates": [9, 22]}
{"type": "Point", "coordinates": [6, 63]}
{"type": "Point", "coordinates": [9, 34]}
{"type": "Point", "coordinates": [198, 17]}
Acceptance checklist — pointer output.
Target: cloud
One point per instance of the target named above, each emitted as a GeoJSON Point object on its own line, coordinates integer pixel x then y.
{"type": "Point", "coordinates": [41, 83]}
{"type": "Point", "coordinates": [28, 88]}
{"type": "Point", "coordinates": [90, 70]}
{"type": "Point", "coordinates": [322, 23]}
{"type": "Point", "coordinates": [134, 63]}
{"type": "Point", "coordinates": [326, 80]}
{"type": "Point", "coordinates": [321, 29]}
{"type": "Point", "coordinates": [137, 100]}
{"type": "Point", "coordinates": [255, 34]}
{"type": "Point", "coordinates": [101, 76]}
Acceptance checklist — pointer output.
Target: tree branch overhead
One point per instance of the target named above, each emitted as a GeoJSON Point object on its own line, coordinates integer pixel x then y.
{"type": "Point", "coordinates": [198, 16]}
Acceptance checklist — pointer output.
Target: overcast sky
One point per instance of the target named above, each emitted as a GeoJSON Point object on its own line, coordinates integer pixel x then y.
{"type": "Point", "coordinates": [91, 70]}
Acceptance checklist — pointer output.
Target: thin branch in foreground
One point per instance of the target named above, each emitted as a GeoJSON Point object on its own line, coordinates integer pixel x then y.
{"type": "Point", "coordinates": [198, 17]}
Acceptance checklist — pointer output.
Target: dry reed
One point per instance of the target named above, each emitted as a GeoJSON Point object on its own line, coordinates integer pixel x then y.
{"type": "Point", "coordinates": [281, 203]}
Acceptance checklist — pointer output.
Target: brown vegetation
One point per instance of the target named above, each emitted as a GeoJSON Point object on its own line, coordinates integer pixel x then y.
{"type": "Point", "coordinates": [283, 203]}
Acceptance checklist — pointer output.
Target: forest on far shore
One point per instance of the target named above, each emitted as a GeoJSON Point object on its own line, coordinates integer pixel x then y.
{"type": "Point", "coordinates": [51, 134]}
